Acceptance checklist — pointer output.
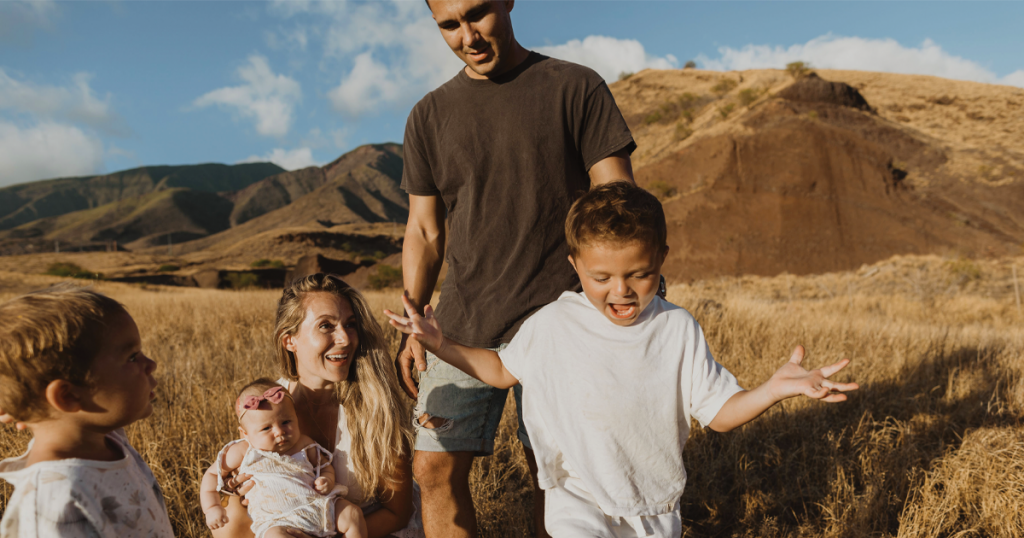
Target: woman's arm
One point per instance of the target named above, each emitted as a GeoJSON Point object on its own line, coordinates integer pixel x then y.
{"type": "Point", "coordinates": [395, 512]}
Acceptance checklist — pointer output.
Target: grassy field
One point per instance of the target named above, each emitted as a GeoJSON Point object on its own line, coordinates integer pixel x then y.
{"type": "Point", "coordinates": [932, 444]}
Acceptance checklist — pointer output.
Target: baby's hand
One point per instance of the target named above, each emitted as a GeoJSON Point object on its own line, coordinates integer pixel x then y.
{"type": "Point", "coordinates": [323, 485]}
{"type": "Point", "coordinates": [424, 329]}
{"type": "Point", "coordinates": [216, 517]}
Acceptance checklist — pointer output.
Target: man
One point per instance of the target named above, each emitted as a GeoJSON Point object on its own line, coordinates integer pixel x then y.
{"type": "Point", "coordinates": [501, 151]}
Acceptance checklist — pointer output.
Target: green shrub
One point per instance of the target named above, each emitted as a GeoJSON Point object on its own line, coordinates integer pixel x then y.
{"type": "Point", "coordinates": [798, 69]}
{"type": "Point", "coordinates": [242, 280]}
{"type": "Point", "coordinates": [168, 268]}
{"type": "Point", "coordinates": [385, 276]}
{"type": "Point", "coordinates": [963, 270]}
{"type": "Point", "coordinates": [813, 114]}
{"type": "Point", "coordinates": [682, 131]}
{"type": "Point", "coordinates": [379, 255]}
{"type": "Point", "coordinates": [276, 264]}
{"type": "Point", "coordinates": [70, 270]}
{"type": "Point", "coordinates": [724, 86]}
{"type": "Point", "coordinates": [726, 110]}
{"type": "Point", "coordinates": [625, 75]}
{"type": "Point", "coordinates": [690, 65]}
{"type": "Point", "coordinates": [653, 117]}
{"type": "Point", "coordinates": [661, 189]}
{"type": "Point", "coordinates": [748, 96]}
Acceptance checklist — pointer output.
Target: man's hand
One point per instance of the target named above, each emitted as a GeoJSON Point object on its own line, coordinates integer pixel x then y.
{"type": "Point", "coordinates": [410, 352]}
{"type": "Point", "coordinates": [793, 380]}
{"type": "Point", "coordinates": [423, 329]}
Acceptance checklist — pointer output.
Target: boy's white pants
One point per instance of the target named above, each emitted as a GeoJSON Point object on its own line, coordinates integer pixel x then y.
{"type": "Point", "coordinates": [571, 512]}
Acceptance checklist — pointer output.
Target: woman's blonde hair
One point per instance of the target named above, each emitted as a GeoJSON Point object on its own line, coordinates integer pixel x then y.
{"type": "Point", "coordinates": [370, 396]}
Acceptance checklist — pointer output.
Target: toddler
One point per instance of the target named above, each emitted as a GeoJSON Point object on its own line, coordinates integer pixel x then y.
{"type": "Point", "coordinates": [72, 370]}
{"type": "Point", "coordinates": [293, 479]}
{"type": "Point", "coordinates": [612, 376]}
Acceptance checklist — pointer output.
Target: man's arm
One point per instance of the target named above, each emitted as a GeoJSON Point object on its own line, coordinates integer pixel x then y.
{"type": "Point", "coordinates": [615, 167]}
{"type": "Point", "coordinates": [422, 257]}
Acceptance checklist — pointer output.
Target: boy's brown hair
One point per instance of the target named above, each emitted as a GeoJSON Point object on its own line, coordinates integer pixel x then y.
{"type": "Point", "coordinates": [619, 212]}
{"type": "Point", "coordinates": [49, 334]}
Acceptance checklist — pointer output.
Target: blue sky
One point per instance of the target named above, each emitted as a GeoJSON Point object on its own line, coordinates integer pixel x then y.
{"type": "Point", "coordinates": [98, 86]}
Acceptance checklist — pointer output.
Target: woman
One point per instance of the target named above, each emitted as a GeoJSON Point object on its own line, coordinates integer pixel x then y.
{"type": "Point", "coordinates": [337, 368]}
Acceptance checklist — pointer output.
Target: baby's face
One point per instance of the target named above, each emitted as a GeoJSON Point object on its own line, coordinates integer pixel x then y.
{"type": "Point", "coordinates": [272, 427]}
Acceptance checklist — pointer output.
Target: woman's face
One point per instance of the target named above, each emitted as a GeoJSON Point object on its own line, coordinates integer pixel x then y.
{"type": "Point", "coordinates": [325, 343]}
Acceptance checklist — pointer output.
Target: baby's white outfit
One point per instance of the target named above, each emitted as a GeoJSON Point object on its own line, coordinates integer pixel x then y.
{"type": "Point", "coordinates": [608, 409]}
{"type": "Point", "coordinates": [74, 498]}
{"type": "Point", "coordinates": [283, 495]}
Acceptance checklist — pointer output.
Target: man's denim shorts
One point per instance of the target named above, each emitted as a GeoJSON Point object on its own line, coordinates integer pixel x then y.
{"type": "Point", "coordinates": [470, 410]}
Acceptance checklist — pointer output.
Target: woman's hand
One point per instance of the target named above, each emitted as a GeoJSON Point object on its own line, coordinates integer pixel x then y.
{"type": "Point", "coordinates": [424, 329]}
{"type": "Point", "coordinates": [238, 484]}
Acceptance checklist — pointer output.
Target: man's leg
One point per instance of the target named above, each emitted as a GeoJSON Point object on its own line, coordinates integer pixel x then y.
{"type": "Point", "coordinates": [447, 503]}
{"type": "Point", "coordinates": [456, 418]}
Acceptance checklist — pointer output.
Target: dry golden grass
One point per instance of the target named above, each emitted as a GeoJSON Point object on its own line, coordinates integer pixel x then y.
{"type": "Point", "coordinates": [932, 444]}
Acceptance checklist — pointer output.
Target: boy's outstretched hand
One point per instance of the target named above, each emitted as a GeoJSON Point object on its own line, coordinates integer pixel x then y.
{"type": "Point", "coordinates": [424, 329]}
{"type": "Point", "coordinates": [793, 380]}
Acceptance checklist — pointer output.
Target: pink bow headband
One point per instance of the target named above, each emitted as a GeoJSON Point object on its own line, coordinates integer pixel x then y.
{"type": "Point", "coordinates": [274, 395]}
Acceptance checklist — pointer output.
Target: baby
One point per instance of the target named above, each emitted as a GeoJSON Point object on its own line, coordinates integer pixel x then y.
{"type": "Point", "coordinates": [293, 479]}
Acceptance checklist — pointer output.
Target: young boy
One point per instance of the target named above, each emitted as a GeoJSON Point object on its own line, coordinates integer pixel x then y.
{"type": "Point", "coordinates": [612, 376]}
{"type": "Point", "coordinates": [72, 370]}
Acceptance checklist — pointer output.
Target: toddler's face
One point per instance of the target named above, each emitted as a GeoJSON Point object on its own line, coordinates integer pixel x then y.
{"type": "Point", "coordinates": [123, 382]}
{"type": "Point", "coordinates": [619, 279]}
{"type": "Point", "coordinates": [272, 427]}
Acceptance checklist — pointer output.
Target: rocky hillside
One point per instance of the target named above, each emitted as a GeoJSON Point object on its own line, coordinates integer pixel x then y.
{"type": "Point", "coordinates": [763, 172]}
{"type": "Point", "coordinates": [201, 205]}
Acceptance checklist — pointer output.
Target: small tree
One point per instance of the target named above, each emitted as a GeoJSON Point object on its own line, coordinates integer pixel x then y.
{"type": "Point", "coordinates": [690, 65]}
{"type": "Point", "coordinates": [726, 110]}
{"type": "Point", "coordinates": [660, 189]}
{"type": "Point", "coordinates": [625, 75]}
{"type": "Point", "coordinates": [798, 69]}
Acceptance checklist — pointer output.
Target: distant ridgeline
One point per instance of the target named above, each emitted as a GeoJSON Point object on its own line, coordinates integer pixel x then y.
{"type": "Point", "coordinates": [155, 205]}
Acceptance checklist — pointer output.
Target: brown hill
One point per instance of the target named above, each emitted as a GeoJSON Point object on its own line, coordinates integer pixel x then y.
{"type": "Point", "coordinates": [762, 174]}
{"type": "Point", "coordinates": [359, 187]}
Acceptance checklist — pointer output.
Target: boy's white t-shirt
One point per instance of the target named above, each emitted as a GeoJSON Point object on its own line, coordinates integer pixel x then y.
{"type": "Point", "coordinates": [84, 498]}
{"type": "Point", "coordinates": [613, 404]}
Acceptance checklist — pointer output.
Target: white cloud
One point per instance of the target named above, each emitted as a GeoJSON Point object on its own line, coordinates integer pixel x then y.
{"type": "Point", "coordinates": [18, 20]}
{"type": "Point", "coordinates": [45, 151]}
{"type": "Point", "coordinates": [267, 98]}
{"type": "Point", "coordinates": [837, 52]}
{"type": "Point", "coordinates": [369, 85]}
{"type": "Point", "coordinates": [293, 159]}
{"type": "Point", "coordinates": [76, 103]}
{"type": "Point", "coordinates": [609, 56]}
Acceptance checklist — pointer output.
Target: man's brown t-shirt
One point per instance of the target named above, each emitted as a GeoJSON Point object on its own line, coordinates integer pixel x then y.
{"type": "Point", "coordinates": [509, 156]}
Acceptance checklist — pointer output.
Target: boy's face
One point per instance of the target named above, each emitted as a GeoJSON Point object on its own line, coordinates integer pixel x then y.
{"type": "Point", "coordinates": [272, 427]}
{"type": "Point", "coordinates": [122, 376]}
{"type": "Point", "coordinates": [619, 279]}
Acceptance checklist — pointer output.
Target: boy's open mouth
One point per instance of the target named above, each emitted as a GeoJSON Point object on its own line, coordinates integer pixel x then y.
{"type": "Point", "coordinates": [622, 311]}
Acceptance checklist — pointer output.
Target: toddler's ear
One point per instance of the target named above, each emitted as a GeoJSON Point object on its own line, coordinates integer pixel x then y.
{"type": "Point", "coordinates": [63, 396]}
{"type": "Point", "coordinates": [241, 431]}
